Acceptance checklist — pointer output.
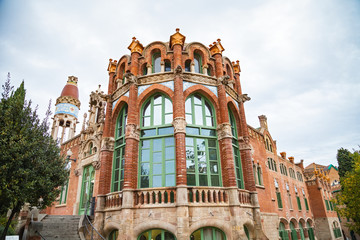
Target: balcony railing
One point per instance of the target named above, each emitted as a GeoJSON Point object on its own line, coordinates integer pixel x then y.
{"type": "Point", "coordinates": [205, 195]}
{"type": "Point", "coordinates": [244, 197]}
{"type": "Point", "coordinates": [155, 196]}
{"type": "Point", "coordinates": [113, 200]}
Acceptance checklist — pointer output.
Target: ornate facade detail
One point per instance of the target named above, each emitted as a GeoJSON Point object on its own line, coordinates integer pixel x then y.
{"type": "Point", "coordinates": [236, 67]}
{"type": "Point", "coordinates": [119, 92]}
{"type": "Point", "coordinates": [156, 78]}
{"type": "Point", "coordinates": [224, 80]}
{"type": "Point", "coordinates": [112, 66]}
{"type": "Point", "coordinates": [243, 98]}
{"type": "Point", "coordinates": [177, 38]}
{"type": "Point", "coordinates": [96, 164]}
{"type": "Point", "coordinates": [77, 172]}
{"type": "Point", "coordinates": [216, 47]}
{"type": "Point", "coordinates": [244, 143]}
{"type": "Point", "coordinates": [199, 78]}
{"type": "Point", "coordinates": [224, 131]}
{"type": "Point", "coordinates": [131, 78]}
{"type": "Point", "coordinates": [68, 99]}
{"type": "Point", "coordinates": [107, 144]}
{"type": "Point", "coordinates": [133, 131]}
{"type": "Point", "coordinates": [178, 71]}
{"type": "Point", "coordinates": [179, 124]}
{"type": "Point", "coordinates": [136, 46]}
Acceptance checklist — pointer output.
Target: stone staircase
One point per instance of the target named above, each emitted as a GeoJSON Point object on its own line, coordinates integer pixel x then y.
{"type": "Point", "coordinates": [60, 227]}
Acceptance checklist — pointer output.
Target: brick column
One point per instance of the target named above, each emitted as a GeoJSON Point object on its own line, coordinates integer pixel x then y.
{"type": "Point", "coordinates": [224, 130]}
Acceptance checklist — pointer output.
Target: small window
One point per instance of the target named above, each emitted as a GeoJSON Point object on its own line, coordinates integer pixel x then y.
{"type": "Point", "coordinates": [210, 71]}
{"type": "Point", "coordinates": [198, 63]}
{"type": "Point", "coordinates": [156, 62]}
{"type": "Point", "coordinates": [187, 65]}
{"type": "Point", "coordinates": [167, 65]}
{"type": "Point", "coordinates": [144, 69]}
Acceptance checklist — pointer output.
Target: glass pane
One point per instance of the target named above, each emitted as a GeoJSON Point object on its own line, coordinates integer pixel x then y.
{"type": "Point", "coordinates": [144, 182]}
{"type": "Point", "coordinates": [215, 180]}
{"type": "Point", "coordinates": [218, 235]}
{"type": "Point", "coordinates": [157, 99]}
{"type": "Point", "coordinates": [148, 133]}
{"type": "Point", "coordinates": [209, 121]}
{"type": "Point", "coordinates": [170, 180]}
{"type": "Point", "coordinates": [145, 155]}
{"type": "Point", "coordinates": [168, 118]}
{"type": "Point", "coordinates": [190, 154]}
{"type": "Point", "coordinates": [168, 106]}
{"type": "Point", "coordinates": [202, 167]}
{"type": "Point", "coordinates": [203, 180]}
{"type": "Point", "coordinates": [169, 167]}
{"type": "Point", "coordinates": [157, 66]}
{"type": "Point", "coordinates": [197, 99]}
{"type": "Point", "coordinates": [145, 168]}
{"type": "Point", "coordinates": [169, 153]}
{"type": "Point", "coordinates": [157, 115]}
{"type": "Point", "coordinates": [188, 105]}
{"type": "Point", "coordinates": [157, 157]}
{"type": "Point", "coordinates": [212, 143]}
{"type": "Point", "coordinates": [191, 180]}
{"type": "Point", "coordinates": [165, 131]}
{"type": "Point", "coordinates": [198, 115]}
{"type": "Point", "coordinates": [212, 154]}
{"type": "Point", "coordinates": [189, 141]}
{"type": "Point", "coordinates": [188, 119]}
{"type": "Point", "coordinates": [147, 109]}
{"type": "Point", "coordinates": [116, 175]}
{"type": "Point", "coordinates": [157, 182]}
{"type": "Point", "coordinates": [201, 156]}
{"type": "Point", "coordinates": [157, 168]}
{"type": "Point", "coordinates": [192, 131]}
{"type": "Point", "coordinates": [197, 64]}
{"type": "Point", "coordinates": [208, 132]}
{"type": "Point", "coordinates": [157, 144]}
{"type": "Point", "coordinates": [197, 235]}
{"type": "Point", "coordinates": [214, 167]}
{"type": "Point", "coordinates": [145, 144]}
{"type": "Point", "coordinates": [190, 166]}
{"type": "Point", "coordinates": [200, 143]}
{"type": "Point", "coordinates": [169, 141]}
{"type": "Point", "coordinates": [146, 122]}
{"type": "Point", "coordinates": [208, 233]}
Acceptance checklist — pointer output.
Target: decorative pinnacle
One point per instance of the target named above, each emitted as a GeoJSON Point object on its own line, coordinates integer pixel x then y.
{"type": "Point", "coordinates": [177, 29]}
{"type": "Point", "coordinates": [177, 38]}
{"type": "Point", "coordinates": [135, 46]}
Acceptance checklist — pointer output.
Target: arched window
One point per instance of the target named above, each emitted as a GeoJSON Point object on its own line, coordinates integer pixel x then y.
{"type": "Point", "coordinates": [117, 180]}
{"type": "Point", "coordinates": [144, 69]}
{"type": "Point", "coordinates": [310, 231]}
{"type": "Point", "coordinates": [247, 232]}
{"type": "Point", "coordinates": [299, 176]}
{"type": "Point", "coordinates": [113, 235]}
{"type": "Point", "coordinates": [208, 233]}
{"type": "Point", "coordinates": [302, 235]}
{"type": "Point", "coordinates": [255, 173]}
{"type": "Point", "coordinates": [157, 146]}
{"type": "Point", "coordinates": [210, 71]}
{"type": "Point", "coordinates": [259, 175]}
{"type": "Point", "coordinates": [283, 169]}
{"type": "Point", "coordinates": [202, 154]}
{"type": "Point", "coordinates": [292, 173]}
{"type": "Point", "coordinates": [198, 63]}
{"type": "Point", "coordinates": [156, 62]}
{"type": "Point", "coordinates": [91, 148]}
{"type": "Point", "coordinates": [272, 164]}
{"type": "Point", "coordinates": [156, 234]}
{"type": "Point", "coordinates": [293, 231]}
{"type": "Point", "coordinates": [167, 65]}
{"type": "Point", "coordinates": [187, 65]}
{"type": "Point", "coordinates": [236, 152]}
{"type": "Point", "coordinates": [122, 73]}
{"type": "Point", "coordinates": [282, 232]}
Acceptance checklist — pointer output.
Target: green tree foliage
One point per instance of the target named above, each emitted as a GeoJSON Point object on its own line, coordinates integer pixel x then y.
{"type": "Point", "coordinates": [348, 201]}
{"type": "Point", "coordinates": [345, 161]}
{"type": "Point", "coordinates": [31, 168]}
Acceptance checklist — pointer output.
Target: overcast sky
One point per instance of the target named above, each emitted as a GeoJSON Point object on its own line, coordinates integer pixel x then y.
{"type": "Point", "coordinates": [300, 60]}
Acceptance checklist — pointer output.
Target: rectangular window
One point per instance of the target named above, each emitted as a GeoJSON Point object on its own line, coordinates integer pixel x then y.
{"type": "Point", "coordinates": [306, 204]}
{"type": "Point", "coordinates": [63, 194]}
{"type": "Point", "coordinates": [278, 195]}
{"type": "Point", "coordinates": [331, 205]}
{"type": "Point", "coordinates": [290, 202]}
{"type": "Point", "coordinates": [298, 202]}
{"type": "Point", "coordinates": [327, 205]}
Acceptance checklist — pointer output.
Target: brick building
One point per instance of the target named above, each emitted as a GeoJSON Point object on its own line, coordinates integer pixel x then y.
{"type": "Point", "coordinates": [167, 152]}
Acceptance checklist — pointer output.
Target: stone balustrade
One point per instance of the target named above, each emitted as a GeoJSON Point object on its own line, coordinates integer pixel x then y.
{"type": "Point", "coordinates": [113, 200]}
{"type": "Point", "coordinates": [207, 195]}
{"type": "Point", "coordinates": [155, 196]}
{"type": "Point", "coordinates": [244, 197]}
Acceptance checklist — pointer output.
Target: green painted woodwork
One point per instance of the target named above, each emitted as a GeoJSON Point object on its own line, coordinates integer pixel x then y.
{"type": "Point", "coordinates": [327, 205]}
{"type": "Point", "coordinates": [113, 235]}
{"type": "Point", "coordinates": [302, 235]}
{"type": "Point", "coordinates": [247, 232]}
{"type": "Point", "coordinates": [87, 187]}
{"type": "Point", "coordinates": [202, 150]}
{"type": "Point", "coordinates": [236, 152]}
{"type": "Point", "coordinates": [63, 195]}
{"type": "Point", "coordinates": [298, 202]}
{"type": "Point", "coordinates": [278, 196]}
{"type": "Point", "coordinates": [156, 234]}
{"type": "Point", "coordinates": [117, 180]}
{"type": "Point", "coordinates": [282, 232]}
{"type": "Point", "coordinates": [208, 233]}
{"type": "Point", "coordinates": [293, 232]}
{"type": "Point", "coordinates": [310, 231]}
{"type": "Point", "coordinates": [306, 204]}
{"type": "Point", "coordinates": [157, 167]}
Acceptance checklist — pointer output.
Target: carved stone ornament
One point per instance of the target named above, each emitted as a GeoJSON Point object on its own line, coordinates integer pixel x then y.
{"type": "Point", "coordinates": [224, 131]}
{"type": "Point", "coordinates": [179, 124]}
{"type": "Point", "coordinates": [107, 144]}
{"type": "Point", "coordinates": [68, 99]}
{"type": "Point", "coordinates": [130, 78]}
{"type": "Point", "coordinates": [244, 143]}
{"type": "Point", "coordinates": [243, 98]}
{"type": "Point", "coordinates": [133, 131]}
{"type": "Point", "coordinates": [225, 80]}
{"type": "Point", "coordinates": [178, 70]}
{"type": "Point", "coordinates": [96, 165]}
{"type": "Point", "coordinates": [77, 172]}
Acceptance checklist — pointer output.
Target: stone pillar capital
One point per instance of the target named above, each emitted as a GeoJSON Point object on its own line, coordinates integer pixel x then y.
{"type": "Point", "coordinates": [224, 131]}
{"type": "Point", "coordinates": [132, 131]}
{"type": "Point", "coordinates": [179, 124]}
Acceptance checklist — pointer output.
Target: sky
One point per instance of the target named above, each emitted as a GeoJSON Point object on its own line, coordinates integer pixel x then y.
{"type": "Point", "coordinates": [300, 60]}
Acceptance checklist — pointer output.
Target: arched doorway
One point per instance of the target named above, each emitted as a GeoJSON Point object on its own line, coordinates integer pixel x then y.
{"type": "Point", "coordinates": [310, 231]}
{"type": "Point", "coordinates": [208, 233]}
{"type": "Point", "coordinates": [293, 231]}
{"type": "Point", "coordinates": [282, 232]}
{"type": "Point", "coordinates": [156, 234]}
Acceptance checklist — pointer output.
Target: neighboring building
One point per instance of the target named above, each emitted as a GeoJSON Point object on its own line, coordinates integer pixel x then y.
{"type": "Point", "coordinates": [167, 153]}
{"type": "Point", "coordinates": [319, 187]}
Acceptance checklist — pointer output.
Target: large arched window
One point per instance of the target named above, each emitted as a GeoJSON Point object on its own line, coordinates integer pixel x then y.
{"type": "Point", "coordinates": [236, 152]}
{"type": "Point", "coordinates": [113, 235]}
{"type": "Point", "coordinates": [208, 233]}
{"type": "Point", "coordinates": [157, 146]}
{"type": "Point", "coordinates": [156, 234]}
{"type": "Point", "coordinates": [117, 181]}
{"type": "Point", "coordinates": [202, 155]}
{"type": "Point", "coordinates": [293, 231]}
{"type": "Point", "coordinates": [156, 62]}
{"type": "Point", "coordinates": [282, 232]}
{"type": "Point", "coordinates": [198, 63]}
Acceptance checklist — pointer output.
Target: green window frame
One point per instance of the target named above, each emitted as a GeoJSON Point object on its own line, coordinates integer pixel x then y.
{"type": "Point", "coordinates": [198, 63]}
{"type": "Point", "coordinates": [306, 204]}
{"type": "Point", "coordinates": [293, 231]}
{"type": "Point", "coordinates": [282, 232]}
{"type": "Point", "coordinates": [117, 179]}
{"type": "Point", "coordinates": [278, 196]}
{"type": "Point", "coordinates": [236, 152]}
{"type": "Point", "coordinates": [259, 175]}
{"type": "Point", "coordinates": [247, 232]}
{"type": "Point", "coordinates": [157, 165]}
{"type": "Point", "coordinates": [156, 62]}
{"type": "Point", "coordinates": [158, 234]}
{"type": "Point", "coordinates": [63, 194]}
{"type": "Point", "coordinates": [202, 151]}
{"type": "Point", "coordinates": [255, 174]}
{"type": "Point", "coordinates": [302, 235]}
{"type": "Point", "coordinates": [113, 235]}
{"type": "Point", "coordinates": [327, 205]}
{"type": "Point", "coordinates": [87, 187]}
{"type": "Point", "coordinates": [298, 202]}
{"type": "Point", "coordinates": [208, 233]}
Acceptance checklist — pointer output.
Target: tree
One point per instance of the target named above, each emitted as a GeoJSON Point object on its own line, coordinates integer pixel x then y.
{"type": "Point", "coordinates": [31, 168]}
{"type": "Point", "coordinates": [345, 161]}
{"type": "Point", "coordinates": [349, 198]}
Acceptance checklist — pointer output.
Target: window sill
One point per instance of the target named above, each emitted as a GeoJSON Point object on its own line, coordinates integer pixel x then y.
{"type": "Point", "coordinates": [260, 186]}
{"type": "Point", "coordinates": [61, 205]}
{"type": "Point", "coordinates": [291, 210]}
